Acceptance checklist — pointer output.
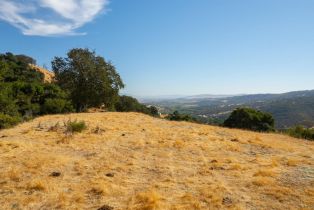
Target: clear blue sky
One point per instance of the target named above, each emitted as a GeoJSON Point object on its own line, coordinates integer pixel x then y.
{"type": "Point", "coordinates": [166, 47]}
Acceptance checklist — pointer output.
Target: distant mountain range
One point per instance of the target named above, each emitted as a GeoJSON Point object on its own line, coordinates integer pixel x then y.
{"type": "Point", "coordinates": [289, 109]}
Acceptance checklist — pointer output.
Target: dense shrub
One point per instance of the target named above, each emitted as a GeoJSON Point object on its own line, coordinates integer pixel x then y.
{"type": "Point", "coordinates": [16, 68]}
{"type": "Point", "coordinates": [55, 106]}
{"type": "Point", "coordinates": [7, 121]}
{"type": "Point", "coordinates": [301, 132]}
{"type": "Point", "coordinates": [23, 93]}
{"type": "Point", "coordinates": [153, 111]}
{"type": "Point", "coordinates": [7, 104]}
{"type": "Point", "coordinates": [130, 104]}
{"type": "Point", "coordinates": [176, 116]}
{"type": "Point", "coordinates": [246, 118]}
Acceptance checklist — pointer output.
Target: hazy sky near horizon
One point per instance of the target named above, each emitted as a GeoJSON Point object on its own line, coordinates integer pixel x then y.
{"type": "Point", "coordinates": [168, 47]}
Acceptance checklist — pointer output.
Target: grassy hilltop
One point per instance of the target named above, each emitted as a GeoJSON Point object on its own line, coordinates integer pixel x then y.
{"type": "Point", "coordinates": [133, 161]}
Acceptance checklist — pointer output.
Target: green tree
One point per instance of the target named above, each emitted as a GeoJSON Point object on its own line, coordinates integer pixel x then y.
{"type": "Point", "coordinates": [247, 118]}
{"type": "Point", "coordinates": [14, 68]}
{"type": "Point", "coordinates": [26, 59]}
{"type": "Point", "coordinates": [89, 79]}
{"type": "Point", "coordinates": [23, 94]}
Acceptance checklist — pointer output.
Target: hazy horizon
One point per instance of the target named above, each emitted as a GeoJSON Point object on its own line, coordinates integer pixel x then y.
{"type": "Point", "coordinates": [210, 94]}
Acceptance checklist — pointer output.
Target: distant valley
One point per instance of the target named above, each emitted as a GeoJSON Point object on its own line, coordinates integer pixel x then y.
{"type": "Point", "coordinates": [289, 109]}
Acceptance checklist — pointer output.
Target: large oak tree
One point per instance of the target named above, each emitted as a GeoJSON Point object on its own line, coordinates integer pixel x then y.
{"type": "Point", "coordinates": [90, 80]}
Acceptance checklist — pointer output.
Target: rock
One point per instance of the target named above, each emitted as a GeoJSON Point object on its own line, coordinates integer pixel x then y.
{"type": "Point", "coordinates": [105, 207]}
{"type": "Point", "coordinates": [98, 130]}
{"type": "Point", "coordinates": [226, 201]}
{"type": "Point", "coordinates": [55, 174]}
{"type": "Point", "coordinates": [110, 174]}
{"type": "Point", "coordinates": [217, 168]}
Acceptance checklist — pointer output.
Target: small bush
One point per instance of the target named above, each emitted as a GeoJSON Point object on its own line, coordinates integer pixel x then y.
{"type": "Point", "coordinates": [7, 121]}
{"type": "Point", "coordinates": [154, 111]}
{"type": "Point", "coordinates": [75, 126]}
{"type": "Point", "coordinates": [176, 116]}
{"type": "Point", "coordinates": [301, 133]}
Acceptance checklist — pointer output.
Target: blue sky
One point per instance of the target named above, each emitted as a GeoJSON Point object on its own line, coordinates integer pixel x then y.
{"type": "Point", "coordinates": [168, 47]}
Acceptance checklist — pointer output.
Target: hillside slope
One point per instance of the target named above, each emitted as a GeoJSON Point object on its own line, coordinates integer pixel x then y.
{"type": "Point", "coordinates": [133, 161]}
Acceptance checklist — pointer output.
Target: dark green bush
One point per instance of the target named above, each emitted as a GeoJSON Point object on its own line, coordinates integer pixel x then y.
{"type": "Point", "coordinates": [176, 116]}
{"type": "Point", "coordinates": [130, 104]}
{"type": "Point", "coordinates": [154, 111]}
{"type": "Point", "coordinates": [75, 126]}
{"type": "Point", "coordinates": [247, 118]}
{"type": "Point", "coordinates": [7, 104]}
{"type": "Point", "coordinates": [7, 121]}
{"type": "Point", "coordinates": [16, 68]}
{"type": "Point", "coordinates": [23, 93]}
{"type": "Point", "coordinates": [301, 133]}
{"type": "Point", "coordinates": [55, 106]}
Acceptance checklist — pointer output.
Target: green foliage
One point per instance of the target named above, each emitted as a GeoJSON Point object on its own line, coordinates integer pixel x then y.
{"type": "Point", "coordinates": [75, 126]}
{"type": "Point", "coordinates": [176, 116]}
{"type": "Point", "coordinates": [7, 121]}
{"type": "Point", "coordinates": [26, 59]}
{"type": "Point", "coordinates": [33, 99]}
{"type": "Point", "coordinates": [247, 118]}
{"type": "Point", "coordinates": [16, 68]}
{"type": "Point", "coordinates": [301, 133]}
{"type": "Point", "coordinates": [130, 104]}
{"type": "Point", "coordinates": [7, 104]}
{"type": "Point", "coordinates": [23, 94]}
{"type": "Point", "coordinates": [154, 111]}
{"type": "Point", "coordinates": [90, 80]}
{"type": "Point", "coordinates": [55, 106]}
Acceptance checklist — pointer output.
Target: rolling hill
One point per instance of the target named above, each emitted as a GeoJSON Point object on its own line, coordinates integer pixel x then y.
{"type": "Point", "coordinates": [288, 109]}
{"type": "Point", "coordinates": [133, 161]}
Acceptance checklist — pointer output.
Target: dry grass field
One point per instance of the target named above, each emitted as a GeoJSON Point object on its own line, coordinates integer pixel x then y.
{"type": "Point", "coordinates": [133, 161]}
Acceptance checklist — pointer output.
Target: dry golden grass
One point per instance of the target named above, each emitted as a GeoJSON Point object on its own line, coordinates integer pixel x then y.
{"type": "Point", "coordinates": [48, 75]}
{"type": "Point", "coordinates": [132, 161]}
